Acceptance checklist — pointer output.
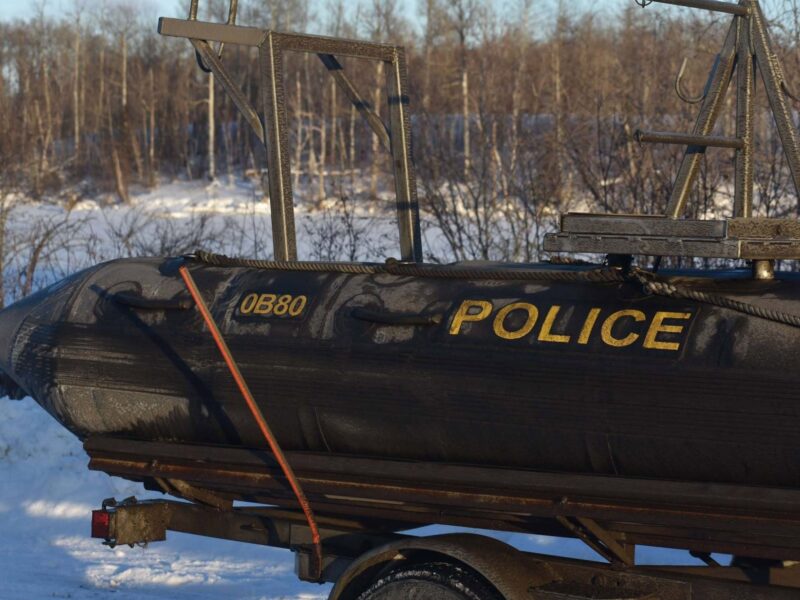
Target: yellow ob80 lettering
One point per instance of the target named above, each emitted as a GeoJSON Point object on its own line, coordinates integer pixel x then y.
{"type": "Point", "coordinates": [661, 330]}
{"type": "Point", "coordinates": [278, 305]}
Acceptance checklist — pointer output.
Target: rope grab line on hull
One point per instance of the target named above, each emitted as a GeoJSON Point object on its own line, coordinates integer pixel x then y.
{"type": "Point", "coordinates": [668, 290]}
{"type": "Point", "coordinates": [648, 280]}
{"type": "Point", "coordinates": [395, 267]}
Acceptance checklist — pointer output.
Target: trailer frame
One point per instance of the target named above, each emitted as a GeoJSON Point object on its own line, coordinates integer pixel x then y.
{"type": "Point", "coordinates": [610, 514]}
{"type": "Point", "coordinates": [356, 550]}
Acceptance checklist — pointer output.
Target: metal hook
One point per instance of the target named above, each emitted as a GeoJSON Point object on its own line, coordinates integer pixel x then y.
{"type": "Point", "coordinates": [682, 93]}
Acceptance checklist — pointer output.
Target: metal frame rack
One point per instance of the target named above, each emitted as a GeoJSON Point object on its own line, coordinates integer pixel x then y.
{"type": "Point", "coordinates": [746, 52]}
{"type": "Point", "coordinates": [270, 124]}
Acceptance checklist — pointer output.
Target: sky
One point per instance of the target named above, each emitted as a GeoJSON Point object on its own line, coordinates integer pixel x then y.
{"type": "Point", "coordinates": [545, 10]}
{"type": "Point", "coordinates": [13, 9]}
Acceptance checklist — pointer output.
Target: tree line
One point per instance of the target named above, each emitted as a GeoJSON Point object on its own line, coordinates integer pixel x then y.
{"type": "Point", "coordinates": [518, 112]}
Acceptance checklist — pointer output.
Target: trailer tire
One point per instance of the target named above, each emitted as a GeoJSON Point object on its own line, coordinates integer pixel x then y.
{"type": "Point", "coordinates": [431, 581]}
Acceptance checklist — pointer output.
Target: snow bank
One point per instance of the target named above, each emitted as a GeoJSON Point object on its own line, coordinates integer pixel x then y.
{"type": "Point", "coordinates": [46, 498]}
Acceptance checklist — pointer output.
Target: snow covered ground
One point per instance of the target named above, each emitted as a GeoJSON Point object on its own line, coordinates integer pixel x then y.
{"type": "Point", "coordinates": [46, 491]}
{"type": "Point", "coordinates": [46, 498]}
{"type": "Point", "coordinates": [64, 235]}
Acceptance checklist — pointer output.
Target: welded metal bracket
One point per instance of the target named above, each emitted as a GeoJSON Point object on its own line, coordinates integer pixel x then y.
{"type": "Point", "coordinates": [270, 123]}
{"type": "Point", "coordinates": [606, 544]}
{"type": "Point", "coordinates": [746, 51]}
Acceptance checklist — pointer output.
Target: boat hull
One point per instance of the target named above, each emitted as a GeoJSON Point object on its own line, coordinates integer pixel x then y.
{"type": "Point", "coordinates": [557, 376]}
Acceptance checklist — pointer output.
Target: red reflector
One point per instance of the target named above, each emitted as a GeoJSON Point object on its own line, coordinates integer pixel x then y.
{"type": "Point", "coordinates": [101, 524]}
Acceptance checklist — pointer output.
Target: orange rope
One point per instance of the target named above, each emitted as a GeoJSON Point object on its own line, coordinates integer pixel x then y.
{"type": "Point", "coordinates": [258, 416]}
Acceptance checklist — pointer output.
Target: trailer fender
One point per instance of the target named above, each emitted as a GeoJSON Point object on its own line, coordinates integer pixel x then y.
{"type": "Point", "coordinates": [514, 575]}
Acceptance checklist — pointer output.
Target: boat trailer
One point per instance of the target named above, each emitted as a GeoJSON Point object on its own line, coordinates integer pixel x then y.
{"type": "Point", "coordinates": [356, 546]}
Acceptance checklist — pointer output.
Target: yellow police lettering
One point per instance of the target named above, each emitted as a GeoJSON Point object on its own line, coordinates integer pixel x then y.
{"type": "Point", "coordinates": [500, 321]}
{"type": "Point", "coordinates": [657, 326]}
{"type": "Point", "coordinates": [470, 311]}
{"type": "Point", "coordinates": [608, 326]}
{"type": "Point", "coordinates": [588, 326]}
{"type": "Point", "coordinates": [546, 334]}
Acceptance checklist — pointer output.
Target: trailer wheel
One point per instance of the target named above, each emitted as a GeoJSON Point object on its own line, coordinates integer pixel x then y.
{"type": "Point", "coordinates": [431, 581]}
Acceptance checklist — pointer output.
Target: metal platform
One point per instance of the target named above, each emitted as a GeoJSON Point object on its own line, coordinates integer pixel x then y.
{"type": "Point", "coordinates": [747, 51]}
{"type": "Point", "coordinates": [738, 238]}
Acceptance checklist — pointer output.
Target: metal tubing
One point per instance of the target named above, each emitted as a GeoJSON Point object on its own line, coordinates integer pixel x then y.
{"type": "Point", "coordinates": [745, 72]}
{"type": "Point", "coordinates": [277, 143]}
{"type": "Point", "coordinates": [712, 5]}
{"type": "Point", "coordinates": [211, 59]}
{"type": "Point", "coordinates": [193, 9]}
{"type": "Point", "coordinates": [289, 42]}
{"type": "Point", "coordinates": [405, 183]}
{"type": "Point", "coordinates": [211, 32]}
{"type": "Point", "coordinates": [362, 106]}
{"type": "Point", "coordinates": [273, 127]}
{"type": "Point", "coordinates": [772, 74]}
{"type": "Point", "coordinates": [318, 44]}
{"type": "Point", "coordinates": [709, 111]}
{"type": "Point", "coordinates": [233, 9]}
{"type": "Point", "coordinates": [232, 12]}
{"type": "Point", "coordinates": [681, 139]}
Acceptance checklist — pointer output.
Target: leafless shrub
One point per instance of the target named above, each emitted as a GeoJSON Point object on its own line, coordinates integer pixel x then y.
{"type": "Point", "coordinates": [251, 236]}
{"type": "Point", "coordinates": [499, 207]}
{"type": "Point", "coordinates": [36, 251]}
{"type": "Point", "coordinates": [337, 233]}
{"type": "Point", "coordinates": [143, 232]}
